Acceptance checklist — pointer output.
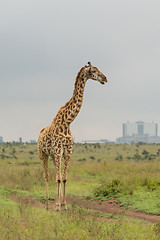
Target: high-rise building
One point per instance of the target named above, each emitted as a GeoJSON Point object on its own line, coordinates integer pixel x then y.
{"type": "Point", "coordinates": [139, 132]}
{"type": "Point", "coordinates": [1, 139]}
{"type": "Point", "coordinates": [140, 128]}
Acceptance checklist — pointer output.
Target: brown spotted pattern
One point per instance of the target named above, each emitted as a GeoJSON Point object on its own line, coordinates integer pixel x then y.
{"type": "Point", "coordinates": [56, 139]}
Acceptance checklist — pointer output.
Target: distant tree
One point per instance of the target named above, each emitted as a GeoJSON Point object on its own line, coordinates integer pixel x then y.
{"type": "Point", "coordinates": [137, 156]}
{"type": "Point", "coordinates": [145, 153]}
{"type": "Point", "coordinates": [13, 152]}
{"type": "Point", "coordinates": [119, 157]}
{"type": "Point", "coordinates": [158, 152]}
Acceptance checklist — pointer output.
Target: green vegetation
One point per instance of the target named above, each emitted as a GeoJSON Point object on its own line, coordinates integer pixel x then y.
{"type": "Point", "coordinates": [34, 223]}
{"type": "Point", "coordinates": [129, 173]}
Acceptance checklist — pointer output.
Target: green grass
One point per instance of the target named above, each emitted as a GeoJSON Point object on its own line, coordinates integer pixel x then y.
{"type": "Point", "coordinates": [21, 169]}
{"type": "Point", "coordinates": [4, 200]}
{"type": "Point", "coordinates": [129, 173]}
{"type": "Point", "coordinates": [25, 222]}
{"type": "Point", "coordinates": [144, 201]}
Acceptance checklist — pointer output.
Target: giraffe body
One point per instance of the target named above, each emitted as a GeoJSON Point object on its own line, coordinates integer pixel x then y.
{"type": "Point", "coordinates": [56, 139]}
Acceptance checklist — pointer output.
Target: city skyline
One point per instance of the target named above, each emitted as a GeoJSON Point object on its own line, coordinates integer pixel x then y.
{"type": "Point", "coordinates": [140, 131]}
{"type": "Point", "coordinates": [129, 129]}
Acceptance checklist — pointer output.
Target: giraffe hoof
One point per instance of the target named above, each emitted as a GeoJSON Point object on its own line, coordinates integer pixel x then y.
{"type": "Point", "coordinates": [64, 206]}
{"type": "Point", "coordinates": [46, 206]}
{"type": "Point", "coordinates": [58, 207]}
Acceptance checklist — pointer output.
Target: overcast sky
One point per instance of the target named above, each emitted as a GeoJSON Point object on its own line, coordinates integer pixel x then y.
{"type": "Point", "coordinates": [43, 45]}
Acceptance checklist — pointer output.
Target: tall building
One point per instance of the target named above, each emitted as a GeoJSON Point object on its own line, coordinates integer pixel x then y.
{"type": "Point", "coordinates": [1, 139]}
{"type": "Point", "coordinates": [140, 128]}
{"type": "Point", "coordinates": [139, 132]}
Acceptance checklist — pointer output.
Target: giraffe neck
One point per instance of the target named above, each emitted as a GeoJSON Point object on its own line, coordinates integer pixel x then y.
{"type": "Point", "coordinates": [69, 112]}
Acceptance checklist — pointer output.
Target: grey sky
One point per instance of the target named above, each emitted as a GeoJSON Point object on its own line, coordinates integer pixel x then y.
{"type": "Point", "coordinates": [43, 45]}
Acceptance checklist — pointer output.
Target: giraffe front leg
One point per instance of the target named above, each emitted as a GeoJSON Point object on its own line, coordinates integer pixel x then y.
{"type": "Point", "coordinates": [58, 203]}
{"type": "Point", "coordinates": [63, 204]}
{"type": "Point", "coordinates": [67, 155]}
{"type": "Point", "coordinates": [58, 180]}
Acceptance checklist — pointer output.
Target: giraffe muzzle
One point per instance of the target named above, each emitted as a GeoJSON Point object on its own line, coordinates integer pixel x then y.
{"type": "Point", "coordinates": [103, 81]}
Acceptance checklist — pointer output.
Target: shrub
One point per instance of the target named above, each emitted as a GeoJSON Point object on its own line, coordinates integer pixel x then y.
{"type": "Point", "coordinates": [109, 189]}
{"type": "Point", "coordinates": [31, 152]}
{"type": "Point", "coordinates": [119, 157]}
{"type": "Point", "coordinates": [97, 145]}
{"type": "Point", "coordinates": [137, 156]}
{"type": "Point", "coordinates": [145, 153]}
{"type": "Point", "coordinates": [81, 160]}
{"type": "Point", "coordinates": [151, 184]}
{"type": "Point", "coordinates": [158, 152]}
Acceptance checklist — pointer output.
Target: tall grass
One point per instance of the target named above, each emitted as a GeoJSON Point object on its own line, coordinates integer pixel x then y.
{"type": "Point", "coordinates": [102, 170]}
{"type": "Point", "coordinates": [33, 223]}
{"type": "Point", "coordinates": [128, 176]}
{"type": "Point", "coordinates": [20, 167]}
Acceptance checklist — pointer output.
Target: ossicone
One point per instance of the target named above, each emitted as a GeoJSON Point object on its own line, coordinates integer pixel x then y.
{"type": "Point", "coordinates": [89, 64]}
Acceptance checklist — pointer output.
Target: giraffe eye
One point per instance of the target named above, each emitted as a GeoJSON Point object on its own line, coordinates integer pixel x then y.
{"type": "Point", "coordinates": [93, 71]}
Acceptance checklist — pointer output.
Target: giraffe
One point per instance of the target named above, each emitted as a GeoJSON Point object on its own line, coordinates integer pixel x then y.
{"type": "Point", "coordinates": [56, 139]}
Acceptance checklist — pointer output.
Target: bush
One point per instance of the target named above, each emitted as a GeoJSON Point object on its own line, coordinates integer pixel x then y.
{"type": "Point", "coordinates": [137, 156]}
{"type": "Point", "coordinates": [109, 189]}
{"type": "Point", "coordinates": [151, 184]}
{"type": "Point", "coordinates": [81, 160]}
{"type": "Point", "coordinates": [31, 152]}
{"type": "Point", "coordinates": [119, 157]}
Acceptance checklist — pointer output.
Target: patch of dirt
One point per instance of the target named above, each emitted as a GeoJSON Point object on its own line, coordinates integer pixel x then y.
{"type": "Point", "coordinates": [107, 207]}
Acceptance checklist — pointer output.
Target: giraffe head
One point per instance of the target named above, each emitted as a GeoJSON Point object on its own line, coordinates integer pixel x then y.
{"type": "Point", "coordinates": [94, 74]}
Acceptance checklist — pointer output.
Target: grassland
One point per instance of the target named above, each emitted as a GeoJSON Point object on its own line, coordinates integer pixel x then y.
{"type": "Point", "coordinates": [128, 173]}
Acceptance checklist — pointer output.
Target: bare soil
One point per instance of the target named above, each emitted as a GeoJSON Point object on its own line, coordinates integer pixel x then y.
{"type": "Point", "coordinates": [107, 207]}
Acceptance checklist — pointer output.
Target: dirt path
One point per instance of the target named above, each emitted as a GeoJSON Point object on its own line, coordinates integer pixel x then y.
{"type": "Point", "coordinates": [107, 207]}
